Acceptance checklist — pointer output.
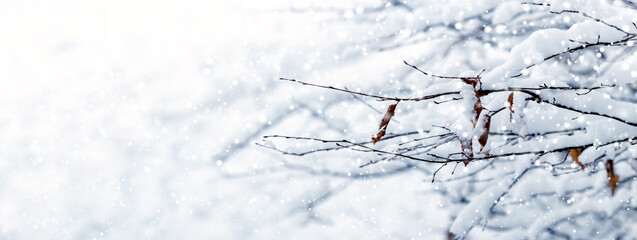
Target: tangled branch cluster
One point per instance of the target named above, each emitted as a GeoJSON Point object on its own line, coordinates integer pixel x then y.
{"type": "Point", "coordinates": [557, 145]}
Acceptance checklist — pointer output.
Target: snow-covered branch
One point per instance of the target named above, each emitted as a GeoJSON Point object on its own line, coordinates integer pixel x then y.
{"type": "Point", "coordinates": [533, 98]}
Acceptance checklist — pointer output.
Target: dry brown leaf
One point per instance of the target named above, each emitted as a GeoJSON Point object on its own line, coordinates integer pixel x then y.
{"type": "Point", "coordinates": [477, 109]}
{"type": "Point", "coordinates": [383, 124]}
{"type": "Point", "coordinates": [613, 179]}
{"type": "Point", "coordinates": [510, 102]}
{"type": "Point", "coordinates": [510, 106]}
{"type": "Point", "coordinates": [574, 153]}
{"type": "Point", "coordinates": [378, 135]}
{"type": "Point", "coordinates": [485, 132]}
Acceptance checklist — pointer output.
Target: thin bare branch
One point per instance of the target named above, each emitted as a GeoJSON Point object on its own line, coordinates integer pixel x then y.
{"type": "Point", "coordinates": [380, 98]}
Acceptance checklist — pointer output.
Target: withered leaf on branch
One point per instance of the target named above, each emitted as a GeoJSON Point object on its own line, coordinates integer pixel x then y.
{"type": "Point", "coordinates": [510, 103]}
{"type": "Point", "coordinates": [484, 136]}
{"type": "Point", "coordinates": [517, 118]}
{"type": "Point", "coordinates": [383, 124]}
{"type": "Point", "coordinates": [574, 153]}
{"type": "Point", "coordinates": [473, 106]}
{"type": "Point", "coordinates": [613, 179]}
{"type": "Point", "coordinates": [477, 109]}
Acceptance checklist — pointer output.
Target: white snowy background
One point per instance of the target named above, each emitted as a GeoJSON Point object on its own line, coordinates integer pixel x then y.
{"type": "Point", "coordinates": [116, 116]}
{"type": "Point", "coordinates": [138, 120]}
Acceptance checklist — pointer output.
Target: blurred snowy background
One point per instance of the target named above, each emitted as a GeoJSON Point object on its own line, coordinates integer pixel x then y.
{"type": "Point", "coordinates": [137, 120]}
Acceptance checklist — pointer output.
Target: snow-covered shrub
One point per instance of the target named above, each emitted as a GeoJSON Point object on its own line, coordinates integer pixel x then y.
{"type": "Point", "coordinates": [524, 114]}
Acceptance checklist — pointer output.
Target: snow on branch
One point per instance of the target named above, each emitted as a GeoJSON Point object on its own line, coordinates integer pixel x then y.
{"type": "Point", "coordinates": [547, 126]}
